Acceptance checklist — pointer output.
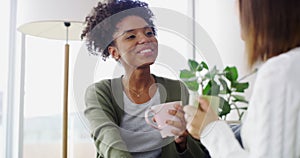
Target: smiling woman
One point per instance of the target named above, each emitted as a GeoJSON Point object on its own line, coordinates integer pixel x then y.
{"type": "Point", "coordinates": [43, 80]}
{"type": "Point", "coordinates": [115, 107]}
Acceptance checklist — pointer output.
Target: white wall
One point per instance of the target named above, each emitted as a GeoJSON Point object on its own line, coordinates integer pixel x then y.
{"type": "Point", "coordinates": [220, 19]}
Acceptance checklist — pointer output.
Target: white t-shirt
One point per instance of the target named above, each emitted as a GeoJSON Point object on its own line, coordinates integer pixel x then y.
{"type": "Point", "coordinates": [141, 139]}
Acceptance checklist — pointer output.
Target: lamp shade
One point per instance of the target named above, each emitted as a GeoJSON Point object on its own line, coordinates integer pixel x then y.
{"type": "Point", "coordinates": [45, 18]}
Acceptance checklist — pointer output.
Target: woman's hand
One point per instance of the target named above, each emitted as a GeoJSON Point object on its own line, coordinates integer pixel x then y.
{"type": "Point", "coordinates": [198, 118]}
{"type": "Point", "coordinates": [181, 133]}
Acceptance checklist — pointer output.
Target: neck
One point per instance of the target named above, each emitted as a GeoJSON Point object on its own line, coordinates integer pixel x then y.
{"type": "Point", "coordinates": [138, 79]}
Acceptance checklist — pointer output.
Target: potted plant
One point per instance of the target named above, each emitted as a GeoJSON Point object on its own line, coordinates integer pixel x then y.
{"type": "Point", "coordinates": [224, 84]}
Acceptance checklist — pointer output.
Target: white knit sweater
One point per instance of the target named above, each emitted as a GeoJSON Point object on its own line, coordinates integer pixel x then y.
{"type": "Point", "coordinates": [271, 128]}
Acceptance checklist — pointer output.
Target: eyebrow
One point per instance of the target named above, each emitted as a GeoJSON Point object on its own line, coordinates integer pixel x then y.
{"type": "Point", "coordinates": [131, 30]}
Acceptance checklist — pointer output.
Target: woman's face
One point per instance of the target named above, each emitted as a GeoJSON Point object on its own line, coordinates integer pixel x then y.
{"type": "Point", "coordinates": [135, 44]}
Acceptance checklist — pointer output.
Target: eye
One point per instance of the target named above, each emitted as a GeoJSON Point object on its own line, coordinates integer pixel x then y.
{"type": "Point", "coordinates": [130, 37]}
{"type": "Point", "coordinates": [149, 33]}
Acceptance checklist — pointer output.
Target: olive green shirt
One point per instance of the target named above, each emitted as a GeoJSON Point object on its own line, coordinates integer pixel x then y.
{"type": "Point", "coordinates": [104, 111]}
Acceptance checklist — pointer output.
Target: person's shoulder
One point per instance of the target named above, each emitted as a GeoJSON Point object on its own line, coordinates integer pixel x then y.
{"type": "Point", "coordinates": [97, 87]}
{"type": "Point", "coordinates": [103, 84]}
{"type": "Point", "coordinates": [100, 84]}
{"type": "Point", "coordinates": [280, 70]}
{"type": "Point", "coordinates": [282, 64]}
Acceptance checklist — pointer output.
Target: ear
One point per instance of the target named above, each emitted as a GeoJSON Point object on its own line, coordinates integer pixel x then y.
{"type": "Point", "coordinates": [114, 52]}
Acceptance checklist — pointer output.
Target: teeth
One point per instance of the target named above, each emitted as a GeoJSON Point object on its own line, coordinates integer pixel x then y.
{"type": "Point", "coordinates": [145, 51]}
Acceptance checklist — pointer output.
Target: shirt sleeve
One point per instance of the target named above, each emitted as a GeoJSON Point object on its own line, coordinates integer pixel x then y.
{"type": "Point", "coordinates": [105, 131]}
{"type": "Point", "coordinates": [262, 131]}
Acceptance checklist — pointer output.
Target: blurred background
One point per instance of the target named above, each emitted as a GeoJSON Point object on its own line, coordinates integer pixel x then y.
{"type": "Point", "coordinates": [31, 110]}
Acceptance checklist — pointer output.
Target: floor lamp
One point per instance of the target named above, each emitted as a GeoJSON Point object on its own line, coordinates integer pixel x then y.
{"type": "Point", "coordinates": [60, 20]}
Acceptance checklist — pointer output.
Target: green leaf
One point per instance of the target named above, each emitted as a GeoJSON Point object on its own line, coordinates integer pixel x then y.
{"type": "Point", "coordinates": [185, 74]}
{"type": "Point", "coordinates": [224, 106]}
{"type": "Point", "coordinates": [225, 86]}
{"type": "Point", "coordinates": [212, 73]}
{"type": "Point", "coordinates": [240, 87]}
{"type": "Point", "coordinates": [206, 89]}
{"type": "Point", "coordinates": [231, 73]}
{"type": "Point", "coordinates": [204, 65]}
{"type": "Point", "coordinates": [239, 98]}
{"type": "Point", "coordinates": [192, 85]}
{"type": "Point", "coordinates": [223, 92]}
{"type": "Point", "coordinates": [193, 65]}
{"type": "Point", "coordinates": [215, 88]}
{"type": "Point", "coordinates": [201, 66]}
{"type": "Point", "coordinates": [212, 88]}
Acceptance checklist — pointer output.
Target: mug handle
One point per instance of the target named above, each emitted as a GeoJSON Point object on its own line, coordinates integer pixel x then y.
{"type": "Point", "coordinates": [151, 123]}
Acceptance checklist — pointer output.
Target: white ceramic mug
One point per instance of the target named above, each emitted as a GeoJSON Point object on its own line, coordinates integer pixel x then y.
{"type": "Point", "coordinates": [161, 114]}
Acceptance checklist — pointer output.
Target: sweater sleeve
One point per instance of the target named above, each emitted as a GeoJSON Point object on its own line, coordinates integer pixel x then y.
{"type": "Point", "coordinates": [220, 141]}
{"type": "Point", "coordinates": [103, 123]}
{"type": "Point", "coordinates": [264, 127]}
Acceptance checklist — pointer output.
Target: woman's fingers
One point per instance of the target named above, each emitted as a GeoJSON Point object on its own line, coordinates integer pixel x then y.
{"type": "Point", "coordinates": [177, 112]}
{"type": "Point", "coordinates": [177, 124]}
{"type": "Point", "coordinates": [180, 122]}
